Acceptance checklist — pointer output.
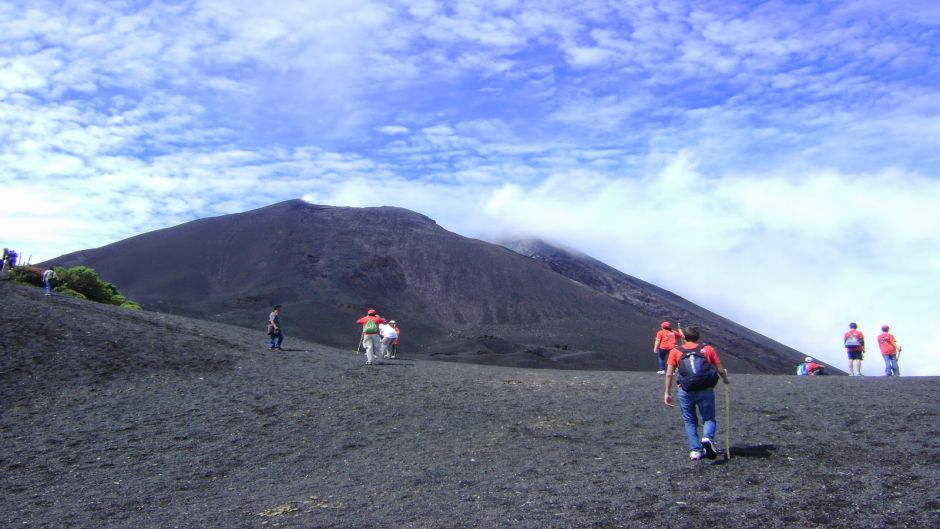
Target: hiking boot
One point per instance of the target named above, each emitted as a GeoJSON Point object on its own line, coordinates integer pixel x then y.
{"type": "Point", "coordinates": [695, 455]}
{"type": "Point", "coordinates": [660, 372]}
{"type": "Point", "coordinates": [710, 452]}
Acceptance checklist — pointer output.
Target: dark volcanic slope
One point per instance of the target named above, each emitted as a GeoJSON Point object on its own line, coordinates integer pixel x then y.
{"type": "Point", "coordinates": [656, 302]}
{"type": "Point", "coordinates": [455, 297]}
{"type": "Point", "coordinates": [114, 419]}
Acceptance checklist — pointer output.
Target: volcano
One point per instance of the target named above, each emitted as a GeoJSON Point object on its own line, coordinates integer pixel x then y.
{"type": "Point", "coordinates": [456, 298]}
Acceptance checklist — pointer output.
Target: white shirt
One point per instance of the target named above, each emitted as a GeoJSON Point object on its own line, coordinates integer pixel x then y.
{"type": "Point", "coordinates": [387, 331]}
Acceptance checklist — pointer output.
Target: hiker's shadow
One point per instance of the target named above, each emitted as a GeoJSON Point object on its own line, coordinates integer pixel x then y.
{"type": "Point", "coordinates": [755, 451]}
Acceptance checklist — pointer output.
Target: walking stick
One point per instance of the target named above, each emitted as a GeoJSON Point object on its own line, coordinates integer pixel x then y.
{"type": "Point", "coordinates": [359, 345]}
{"type": "Point", "coordinates": [727, 420]}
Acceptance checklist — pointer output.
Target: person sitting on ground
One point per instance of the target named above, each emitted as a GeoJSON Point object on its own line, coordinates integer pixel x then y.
{"type": "Point", "coordinates": [699, 368]}
{"type": "Point", "coordinates": [810, 367]}
{"type": "Point", "coordinates": [389, 335]}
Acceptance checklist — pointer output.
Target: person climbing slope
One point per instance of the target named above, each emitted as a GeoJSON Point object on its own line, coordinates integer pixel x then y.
{"type": "Point", "coordinates": [699, 368]}
{"type": "Point", "coordinates": [370, 334]}
{"type": "Point", "coordinates": [666, 339]}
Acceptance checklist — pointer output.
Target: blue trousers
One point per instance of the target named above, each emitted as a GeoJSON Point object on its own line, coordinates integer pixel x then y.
{"type": "Point", "coordinates": [702, 400]}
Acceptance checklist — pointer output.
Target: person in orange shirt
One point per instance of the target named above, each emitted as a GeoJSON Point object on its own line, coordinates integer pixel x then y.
{"type": "Point", "coordinates": [854, 342]}
{"type": "Point", "coordinates": [665, 341]}
{"type": "Point", "coordinates": [890, 351]}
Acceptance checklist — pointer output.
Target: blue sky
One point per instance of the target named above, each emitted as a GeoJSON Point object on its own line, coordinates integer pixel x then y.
{"type": "Point", "coordinates": [777, 162]}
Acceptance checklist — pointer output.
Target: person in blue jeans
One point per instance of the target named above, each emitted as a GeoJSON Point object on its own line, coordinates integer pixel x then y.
{"type": "Point", "coordinates": [699, 368]}
{"type": "Point", "coordinates": [274, 328]}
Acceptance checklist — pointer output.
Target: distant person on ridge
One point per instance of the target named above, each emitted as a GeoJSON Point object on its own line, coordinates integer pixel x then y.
{"type": "Point", "coordinates": [370, 334]}
{"type": "Point", "coordinates": [274, 328]}
{"type": "Point", "coordinates": [389, 335]}
{"type": "Point", "coordinates": [48, 278]}
{"type": "Point", "coordinates": [890, 350]}
{"type": "Point", "coordinates": [699, 368]}
{"type": "Point", "coordinates": [854, 342]}
{"type": "Point", "coordinates": [666, 340]}
{"type": "Point", "coordinates": [810, 367]}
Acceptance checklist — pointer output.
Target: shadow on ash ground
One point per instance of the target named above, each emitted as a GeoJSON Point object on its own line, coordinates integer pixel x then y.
{"type": "Point", "coordinates": [115, 418]}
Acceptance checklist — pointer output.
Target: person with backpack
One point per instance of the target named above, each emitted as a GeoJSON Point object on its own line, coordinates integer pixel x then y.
{"type": "Point", "coordinates": [370, 334]}
{"type": "Point", "coordinates": [48, 278]}
{"type": "Point", "coordinates": [890, 350]}
{"type": "Point", "coordinates": [665, 341]}
{"type": "Point", "coordinates": [699, 368]}
{"type": "Point", "coordinates": [274, 328]}
{"type": "Point", "coordinates": [854, 342]}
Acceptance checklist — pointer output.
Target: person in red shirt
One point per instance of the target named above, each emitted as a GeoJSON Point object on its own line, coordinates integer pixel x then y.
{"type": "Point", "coordinates": [370, 334]}
{"type": "Point", "coordinates": [699, 368]}
{"type": "Point", "coordinates": [666, 340]}
{"type": "Point", "coordinates": [890, 350]}
{"type": "Point", "coordinates": [854, 342]}
{"type": "Point", "coordinates": [810, 367]}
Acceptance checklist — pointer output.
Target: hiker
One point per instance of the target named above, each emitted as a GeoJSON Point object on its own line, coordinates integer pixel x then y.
{"type": "Point", "coordinates": [397, 339]}
{"type": "Point", "coordinates": [48, 277]}
{"type": "Point", "coordinates": [370, 334]}
{"type": "Point", "coordinates": [389, 335]}
{"type": "Point", "coordinates": [890, 351]}
{"type": "Point", "coordinates": [699, 368]}
{"type": "Point", "coordinates": [810, 367]}
{"type": "Point", "coordinates": [666, 340]}
{"type": "Point", "coordinates": [854, 342]}
{"type": "Point", "coordinates": [274, 328]}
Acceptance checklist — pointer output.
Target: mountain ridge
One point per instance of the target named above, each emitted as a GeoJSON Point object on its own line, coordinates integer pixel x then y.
{"type": "Point", "coordinates": [456, 297]}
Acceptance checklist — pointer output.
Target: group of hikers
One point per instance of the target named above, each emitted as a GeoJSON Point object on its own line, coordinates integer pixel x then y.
{"type": "Point", "coordinates": [699, 368]}
{"type": "Point", "coordinates": [694, 366]}
{"type": "Point", "coordinates": [378, 334]}
{"type": "Point", "coordinates": [854, 341]}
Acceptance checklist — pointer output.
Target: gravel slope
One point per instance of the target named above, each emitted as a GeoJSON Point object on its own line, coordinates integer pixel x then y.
{"type": "Point", "coordinates": [117, 419]}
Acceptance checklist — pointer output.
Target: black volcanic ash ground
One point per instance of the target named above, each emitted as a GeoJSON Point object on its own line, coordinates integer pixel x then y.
{"type": "Point", "coordinates": [114, 419]}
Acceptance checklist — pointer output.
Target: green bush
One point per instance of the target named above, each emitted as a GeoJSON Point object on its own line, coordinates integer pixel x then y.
{"type": "Point", "coordinates": [27, 274]}
{"type": "Point", "coordinates": [69, 292]}
{"type": "Point", "coordinates": [85, 281]}
{"type": "Point", "coordinates": [80, 282]}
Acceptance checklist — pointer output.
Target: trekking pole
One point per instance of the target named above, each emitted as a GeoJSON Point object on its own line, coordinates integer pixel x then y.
{"type": "Point", "coordinates": [359, 345]}
{"type": "Point", "coordinates": [727, 420]}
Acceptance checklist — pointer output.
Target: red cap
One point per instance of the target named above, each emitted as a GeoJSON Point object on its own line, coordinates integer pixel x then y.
{"type": "Point", "coordinates": [371, 312]}
{"type": "Point", "coordinates": [665, 325]}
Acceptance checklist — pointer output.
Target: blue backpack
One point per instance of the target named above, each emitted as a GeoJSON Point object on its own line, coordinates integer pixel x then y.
{"type": "Point", "coordinates": [695, 373]}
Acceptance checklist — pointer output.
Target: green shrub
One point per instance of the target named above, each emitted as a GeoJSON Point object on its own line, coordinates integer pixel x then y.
{"type": "Point", "coordinates": [69, 292]}
{"type": "Point", "coordinates": [80, 282]}
{"type": "Point", "coordinates": [27, 274]}
{"type": "Point", "coordinates": [85, 281]}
